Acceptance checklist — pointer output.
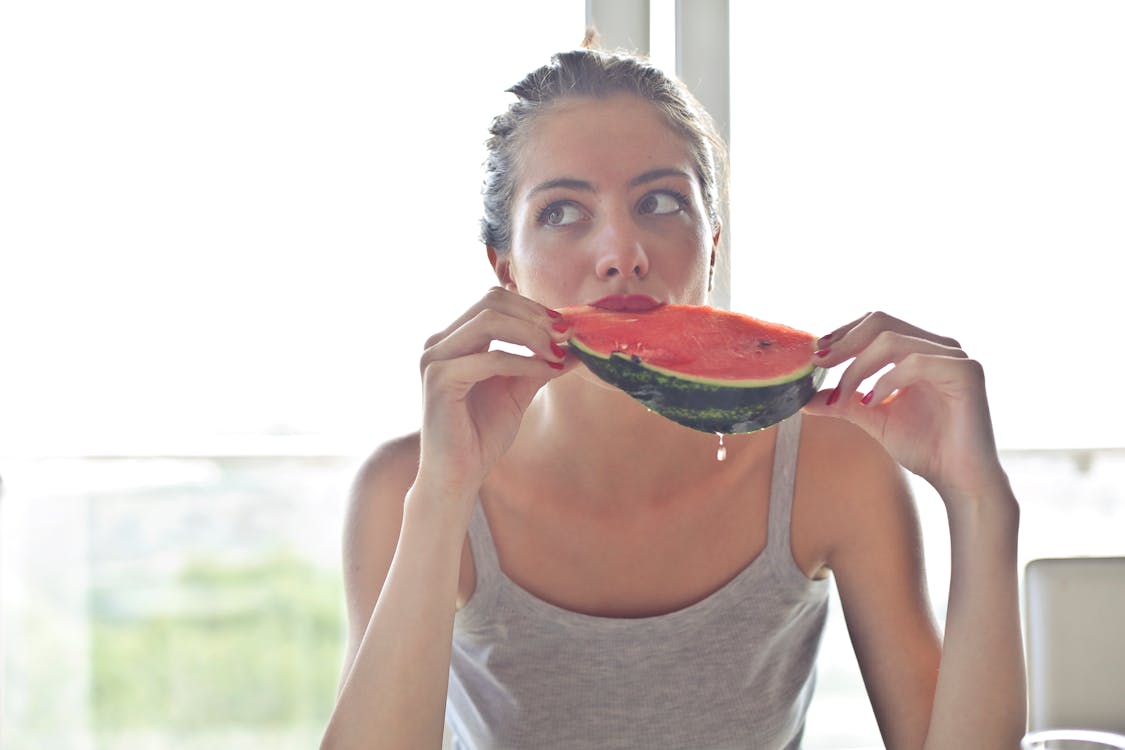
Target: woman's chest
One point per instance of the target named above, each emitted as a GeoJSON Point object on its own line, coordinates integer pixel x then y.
{"type": "Point", "coordinates": [630, 561]}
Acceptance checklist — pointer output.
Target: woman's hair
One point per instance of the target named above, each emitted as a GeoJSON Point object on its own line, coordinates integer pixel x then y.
{"type": "Point", "coordinates": [595, 73]}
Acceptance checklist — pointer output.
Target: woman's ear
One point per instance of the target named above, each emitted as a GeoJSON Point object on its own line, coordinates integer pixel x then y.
{"type": "Point", "coordinates": [714, 257]}
{"type": "Point", "coordinates": [502, 266]}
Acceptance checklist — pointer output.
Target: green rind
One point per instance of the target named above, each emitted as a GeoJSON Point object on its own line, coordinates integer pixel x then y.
{"type": "Point", "coordinates": [706, 405]}
{"type": "Point", "coordinates": [748, 383]}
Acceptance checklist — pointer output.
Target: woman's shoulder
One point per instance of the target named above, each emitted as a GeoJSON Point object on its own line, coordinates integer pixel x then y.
{"type": "Point", "coordinates": [849, 477]}
{"type": "Point", "coordinates": [389, 469]}
{"type": "Point", "coordinates": [395, 456]}
{"type": "Point", "coordinates": [380, 484]}
{"type": "Point", "coordinates": [854, 495]}
{"type": "Point", "coordinates": [374, 509]}
{"type": "Point", "coordinates": [843, 452]}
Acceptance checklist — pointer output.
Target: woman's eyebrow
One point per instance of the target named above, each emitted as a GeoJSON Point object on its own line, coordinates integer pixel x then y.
{"type": "Point", "coordinates": [562, 182]}
{"type": "Point", "coordinates": [573, 183]}
{"type": "Point", "coordinates": [656, 174]}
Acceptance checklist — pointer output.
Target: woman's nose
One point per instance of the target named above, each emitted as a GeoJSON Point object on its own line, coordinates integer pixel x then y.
{"type": "Point", "coordinates": [621, 255]}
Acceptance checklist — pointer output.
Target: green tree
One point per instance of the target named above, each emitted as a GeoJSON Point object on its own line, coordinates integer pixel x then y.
{"type": "Point", "coordinates": [253, 645]}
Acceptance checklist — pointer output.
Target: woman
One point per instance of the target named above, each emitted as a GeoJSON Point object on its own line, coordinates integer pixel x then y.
{"type": "Point", "coordinates": [568, 569]}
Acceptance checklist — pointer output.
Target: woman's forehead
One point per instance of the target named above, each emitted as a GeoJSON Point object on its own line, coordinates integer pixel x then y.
{"type": "Point", "coordinates": [614, 137]}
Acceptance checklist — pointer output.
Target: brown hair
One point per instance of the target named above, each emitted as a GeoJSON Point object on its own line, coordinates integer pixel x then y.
{"type": "Point", "coordinates": [595, 73]}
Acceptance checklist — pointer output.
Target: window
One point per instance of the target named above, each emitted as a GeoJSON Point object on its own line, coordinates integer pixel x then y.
{"type": "Point", "coordinates": [227, 227]}
{"type": "Point", "coordinates": [958, 166]}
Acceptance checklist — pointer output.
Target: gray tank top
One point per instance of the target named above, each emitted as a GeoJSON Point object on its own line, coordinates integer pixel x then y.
{"type": "Point", "coordinates": [734, 670]}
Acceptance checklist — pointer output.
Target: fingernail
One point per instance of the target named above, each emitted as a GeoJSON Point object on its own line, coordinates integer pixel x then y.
{"type": "Point", "coordinates": [823, 342]}
{"type": "Point", "coordinates": [556, 365]}
{"type": "Point", "coordinates": [833, 397]}
{"type": "Point", "coordinates": [560, 327]}
{"type": "Point", "coordinates": [558, 350]}
{"type": "Point", "coordinates": [822, 352]}
{"type": "Point", "coordinates": [554, 313]}
{"type": "Point", "coordinates": [867, 399]}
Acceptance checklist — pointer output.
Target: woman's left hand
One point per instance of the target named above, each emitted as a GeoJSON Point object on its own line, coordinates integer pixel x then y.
{"type": "Point", "coordinates": [929, 410]}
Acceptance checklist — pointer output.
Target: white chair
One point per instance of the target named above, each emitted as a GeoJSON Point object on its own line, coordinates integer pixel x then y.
{"type": "Point", "coordinates": [1072, 739]}
{"type": "Point", "coordinates": [1075, 634]}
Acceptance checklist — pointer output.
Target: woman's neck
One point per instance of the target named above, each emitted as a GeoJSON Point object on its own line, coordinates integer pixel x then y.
{"type": "Point", "coordinates": [605, 445]}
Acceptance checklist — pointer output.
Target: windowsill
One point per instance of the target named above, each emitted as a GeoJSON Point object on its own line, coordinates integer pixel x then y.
{"type": "Point", "coordinates": [338, 446]}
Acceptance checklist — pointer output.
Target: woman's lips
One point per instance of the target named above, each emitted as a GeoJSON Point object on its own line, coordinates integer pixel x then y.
{"type": "Point", "coordinates": [627, 302]}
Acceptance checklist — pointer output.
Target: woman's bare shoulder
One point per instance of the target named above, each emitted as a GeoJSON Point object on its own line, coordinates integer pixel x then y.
{"type": "Point", "coordinates": [374, 510]}
{"type": "Point", "coordinates": [393, 465]}
{"type": "Point", "coordinates": [371, 529]}
{"type": "Point", "coordinates": [374, 515]}
{"type": "Point", "coordinates": [840, 452]}
{"type": "Point", "coordinates": [851, 488]}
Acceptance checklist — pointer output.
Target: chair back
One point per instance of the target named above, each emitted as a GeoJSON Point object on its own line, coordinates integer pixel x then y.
{"type": "Point", "coordinates": [1075, 631]}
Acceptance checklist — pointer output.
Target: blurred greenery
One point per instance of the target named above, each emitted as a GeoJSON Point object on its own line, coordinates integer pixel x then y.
{"type": "Point", "coordinates": [249, 645]}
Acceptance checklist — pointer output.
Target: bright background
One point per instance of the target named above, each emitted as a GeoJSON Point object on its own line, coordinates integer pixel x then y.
{"type": "Point", "coordinates": [243, 218]}
{"type": "Point", "coordinates": [227, 227]}
{"type": "Point", "coordinates": [959, 165]}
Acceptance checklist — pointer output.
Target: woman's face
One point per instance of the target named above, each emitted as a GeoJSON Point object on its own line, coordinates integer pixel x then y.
{"type": "Point", "coordinates": [607, 203]}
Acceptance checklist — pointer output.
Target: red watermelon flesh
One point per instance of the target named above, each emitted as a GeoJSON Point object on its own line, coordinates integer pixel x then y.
{"type": "Point", "coordinates": [697, 342]}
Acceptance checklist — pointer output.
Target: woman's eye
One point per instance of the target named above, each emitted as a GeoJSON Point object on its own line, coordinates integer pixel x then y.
{"type": "Point", "coordinates": [661, 203]}
{"type": "Point", "coordinates": [560, 214]}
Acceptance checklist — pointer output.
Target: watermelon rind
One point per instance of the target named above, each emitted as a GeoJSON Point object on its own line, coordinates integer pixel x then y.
{"type": "Point", "coordinates": [717, 406]}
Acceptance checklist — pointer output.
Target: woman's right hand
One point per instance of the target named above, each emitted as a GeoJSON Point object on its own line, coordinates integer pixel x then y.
{"type": "Point", "coordinates": [474, 398]}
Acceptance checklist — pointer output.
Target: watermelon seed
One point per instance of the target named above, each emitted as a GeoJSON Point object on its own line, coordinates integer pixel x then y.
{"type": "Point", "coordinates": [721, 454]}
{"type": "Point", "coordinates": [763, 342]}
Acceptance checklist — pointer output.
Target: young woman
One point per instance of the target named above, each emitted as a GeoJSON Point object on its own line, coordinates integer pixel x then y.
{"type": "Point", "coordinates": [547, 564]}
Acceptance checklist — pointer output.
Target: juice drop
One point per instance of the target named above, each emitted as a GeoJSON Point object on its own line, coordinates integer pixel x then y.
{"type": "Point", "coordinates": [721, 454]}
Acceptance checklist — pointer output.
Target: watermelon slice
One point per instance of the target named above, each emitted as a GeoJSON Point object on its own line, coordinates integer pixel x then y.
{"type": "Point", "coordinates": [708, 369]}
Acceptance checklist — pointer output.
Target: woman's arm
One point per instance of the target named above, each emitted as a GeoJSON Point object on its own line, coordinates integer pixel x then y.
{"type": "Point", "coordinates": [403, 556]}
{"type": "Point", "coordinates": [401, 570]}
{"type": "Point", "coordinates": [863, 504]}
{"type": "Point", "coordinates": [930, 413]}
{"type": "Point", "coordinates": [981, 700]}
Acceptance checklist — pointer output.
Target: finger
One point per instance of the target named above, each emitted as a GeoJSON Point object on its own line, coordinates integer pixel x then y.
{"type": "Point", "coordinates": [889, 347]}
{"type": "Point", "coordinates": [830, 402]}
{"type": "Point", "coordinates": [502, 300]}
{"type": "Point", "coordinates": [458, 376]}
{"type": "Point", "coordinates": [488, 325]}
{"type": "Point", "coordinates": [847, 340]}
{"type": "Point", "coordinates": [949, 374]}
{"type": "Point", "coordinates": [826, 341]}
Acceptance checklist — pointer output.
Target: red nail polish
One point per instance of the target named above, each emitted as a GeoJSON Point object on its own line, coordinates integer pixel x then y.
{"type": "Point", "coordinates": [822, 352]}
{"type": "Point", "coordinates": [560, 327]}
{"type": "Point", "coordinates": [556, 365]}
{"type": "Point", "coordinates": [867, 399]}
{"type": "Point", "coordinates": [834, 397]}
{"type": "Point", "coordinates": [554, 313]}
{"type": "Point", "coordinates": [558, 350]}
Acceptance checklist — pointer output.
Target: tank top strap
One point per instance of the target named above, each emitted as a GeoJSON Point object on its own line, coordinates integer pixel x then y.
{"type": "Point", "coordinates": [783, 481]}
{"type": "Point", "coordinates": [486, 561]}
